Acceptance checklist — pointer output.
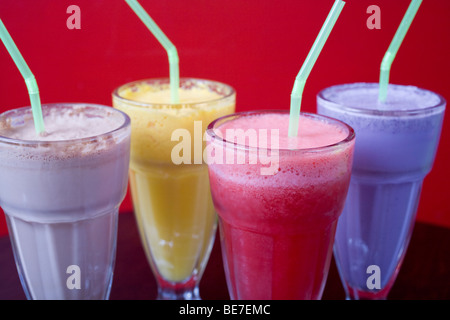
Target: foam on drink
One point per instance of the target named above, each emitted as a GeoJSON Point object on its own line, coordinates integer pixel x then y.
{"type": "Point", "coordinates": [62, 124]}
{"type": "Point", "coordinates": [147, 93]}
{"type": "Point", "coordinates": [281, 150]}
{"type": "Point", "coordinates": [400, 98]}
{"type": "Point", "coordinates": [315, 134]}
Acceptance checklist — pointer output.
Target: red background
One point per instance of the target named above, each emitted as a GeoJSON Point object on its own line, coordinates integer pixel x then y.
{"type": "Point", "coordinates": [257, 46]}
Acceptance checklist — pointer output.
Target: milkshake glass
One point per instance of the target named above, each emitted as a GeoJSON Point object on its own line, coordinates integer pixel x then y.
{"type": "Point", "coordinates": [169, 184]}
{"type": "Point", "coordinates": [277, 226]}
{"type": "Point", "coordinates": [396, 144]}
{"type": "Point", "coordinates": [61, 194]}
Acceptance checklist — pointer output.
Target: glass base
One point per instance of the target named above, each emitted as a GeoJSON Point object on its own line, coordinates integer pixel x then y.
{"type": "Point", "coordinates": [187, 290]}
{"type": "Point", "coordinates": [178, 294]}
{"type": "Point", "coordinates": [355, 294]}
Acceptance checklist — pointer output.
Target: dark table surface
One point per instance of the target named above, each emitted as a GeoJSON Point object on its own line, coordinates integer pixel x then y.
{"type": "Point", "coordinates": [425, 274]}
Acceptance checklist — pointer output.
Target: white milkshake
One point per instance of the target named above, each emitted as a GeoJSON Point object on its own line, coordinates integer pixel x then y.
{"type": "Point", "coordinates": [61, 194]}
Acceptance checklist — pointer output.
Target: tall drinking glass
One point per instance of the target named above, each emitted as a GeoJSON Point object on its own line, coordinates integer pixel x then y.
{"type": "Point", "coordinates": [396, 144]}
{"type": "Point", "coordinates": [278, 200]}
{"type": "Point", "coordinates": [61, 194]}
{"type": "Point", "coordinates": [168, 178]}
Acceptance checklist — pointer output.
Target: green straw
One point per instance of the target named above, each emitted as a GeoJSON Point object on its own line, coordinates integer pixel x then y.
{"type": "Point", "coordinates": [165, 42]}
{"type": "Point", "coordinates": [300, 80]}
{"type": "Point", "coordinates": [393, 48]}
{"type": "Point", "coordinates": [30, 80]}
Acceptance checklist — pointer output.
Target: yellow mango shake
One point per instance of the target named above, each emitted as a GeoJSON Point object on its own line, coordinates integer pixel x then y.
{"type": "Point", "coordinates": [172, 202]}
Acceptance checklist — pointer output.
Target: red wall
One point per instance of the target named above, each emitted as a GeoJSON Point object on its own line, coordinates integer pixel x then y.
{"type": "Point", "coordinates": [258, 46]}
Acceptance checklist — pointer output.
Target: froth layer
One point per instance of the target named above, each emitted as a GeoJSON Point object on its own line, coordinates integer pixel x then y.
{"type": "Point", "coordinates": [296, 162]}
{"type": "Point", "coordinates": [195, 96]}
{"type": "Point", "coordinates": [254, 128]}
{"type": "Point", "coordinates": [148, 94]}
{"type": "Point", "coordinates": [408, 109]}
{"type": "Point", "coordinates": [61, 123]}
{"type": "Point", "coordinates": [72, 130]}
{"type": "Point", "coordinates": [364, 96]}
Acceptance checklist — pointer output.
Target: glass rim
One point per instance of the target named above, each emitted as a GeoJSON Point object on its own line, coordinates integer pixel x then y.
{"type": "Point", "coordinates": [7, 140]}
{"type": "Point", "coordinates": [210, 131]}
{"type": "Point", "coordinates": [157, 106]}
{"type": "Point", "coordinates": [379, 112]}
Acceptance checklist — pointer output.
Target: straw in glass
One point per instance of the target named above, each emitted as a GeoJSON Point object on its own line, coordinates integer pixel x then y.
{"type": "Point", "coordinates": [28, 76]}
{"type": "Point", "coordinates": [165, 42]}
{"type": "Point", "coordinates": [300, 80]}
{"type": "Point", "coordinates": [393, 48]}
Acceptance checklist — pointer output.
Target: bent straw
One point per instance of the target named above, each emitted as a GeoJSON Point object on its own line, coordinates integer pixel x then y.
{"type": "Point", "coordinates": [28, 76]}
{"type": "Point", "coordinates": [300, 80]}
{"type": "Point", "coordinates": [394, 46]}
{"type": "Point", "coordinates": [165, 42]}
